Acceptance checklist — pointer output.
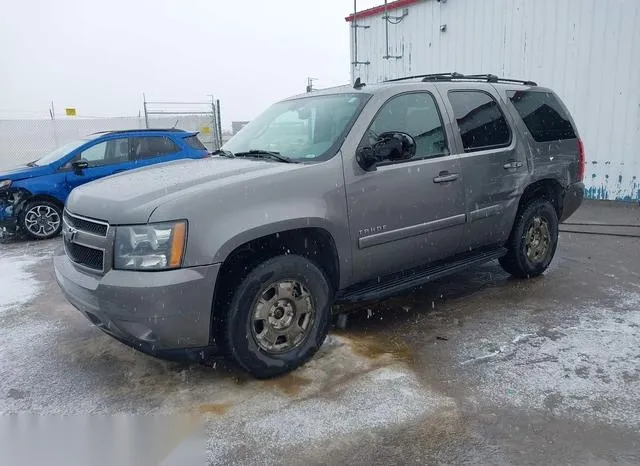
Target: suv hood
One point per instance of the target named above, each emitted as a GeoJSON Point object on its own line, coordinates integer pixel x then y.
{"type": "Point", "coordinates": [23, 172]}
{"type": "Point", "coordinates": [131, 197]}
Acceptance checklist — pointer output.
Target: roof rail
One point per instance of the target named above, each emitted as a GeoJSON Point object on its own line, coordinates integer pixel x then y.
{"type": "Point", "coordinates": [118, 131]}
{"type": "Point", "coordinates": [490, 78]}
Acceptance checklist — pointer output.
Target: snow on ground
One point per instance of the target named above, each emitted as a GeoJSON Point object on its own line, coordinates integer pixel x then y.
{"type": "Point", "coordinates": [588, 368]}
{"type": "Point", "coordinates": [18, 284]}
{"type": "Point", "coordinates": [391, 395]}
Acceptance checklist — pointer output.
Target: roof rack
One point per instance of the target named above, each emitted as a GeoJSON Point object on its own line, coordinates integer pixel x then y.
{"type": "Point", "coordinates": [118, 131]}
{"type": "Point", "coordinates": [490, 78]}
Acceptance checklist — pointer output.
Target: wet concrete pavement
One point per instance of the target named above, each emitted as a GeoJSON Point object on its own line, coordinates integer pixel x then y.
{"type": "Point", "coordinates": [474, 368]}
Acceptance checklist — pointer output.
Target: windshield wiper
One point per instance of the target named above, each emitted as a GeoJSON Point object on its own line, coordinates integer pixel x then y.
{"type": "Point", "coordinates": [222, 152]}
{"type": "Point", "coordinates": [32, 164]}
{"type": "Point", "coordinates": [266, 154]}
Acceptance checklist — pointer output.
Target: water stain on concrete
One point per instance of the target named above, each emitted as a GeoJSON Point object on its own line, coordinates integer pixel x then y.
{"type": "Point", "coordinates": [217, 409]}
{"type": "Point", "coordinates": [376, 347]}
{"type": "Point", "coordinates": [290, 384]}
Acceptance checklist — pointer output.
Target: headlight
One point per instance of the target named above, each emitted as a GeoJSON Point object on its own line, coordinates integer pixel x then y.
{"type": "Point", "coordinates": [157, 246]}
{"type": "Point", "coordinates": [4, 184]}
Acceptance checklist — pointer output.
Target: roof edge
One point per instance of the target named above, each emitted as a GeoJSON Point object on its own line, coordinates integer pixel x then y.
{"type": "Point", "coordinates": [376, 10]}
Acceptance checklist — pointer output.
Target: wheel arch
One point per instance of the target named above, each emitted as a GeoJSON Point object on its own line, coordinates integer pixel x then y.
{"type": "Point", "coordinates": [314, 243]}
{"type": "Point", "coordinates": [547, 188]}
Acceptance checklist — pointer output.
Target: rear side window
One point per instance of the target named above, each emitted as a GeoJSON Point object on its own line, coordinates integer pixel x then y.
{"type": "Point", "coordinates": [194, 143]}
{"type": "Point", "coordinates": [543, 114]}
{"type": "Point", "coordinates": [153, 146]}
{"type": "Point", "coordinates": [480, 120]}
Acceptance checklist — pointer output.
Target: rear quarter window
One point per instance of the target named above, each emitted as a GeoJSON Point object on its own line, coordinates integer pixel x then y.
{"type": "Point", "coordinates": [543, 114]}
{"type": "Point", "coordinates": [194, 143]}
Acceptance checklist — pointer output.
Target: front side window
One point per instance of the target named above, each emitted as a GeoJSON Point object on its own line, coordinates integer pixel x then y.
{"type": "Point", "coordinates": [545, 118]}
{"type": "Point", "coordinates": [106, 153]}
{"type": "Point", "coordinates": [59, 153]}
{"type": "Point", "coordinates": [480, 120]}
{"type": "Point", "coordinates": [306, 129]}
{"type": "Point", "coordinates": [417, 115]}
{"type": "Point", "coordinates": [153, 146]}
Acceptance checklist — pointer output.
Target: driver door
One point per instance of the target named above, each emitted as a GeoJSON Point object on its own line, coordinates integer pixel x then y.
{"type": "Point", "coordinates": [410, 212]}
{"type": "Point", "coordinates": [104, 158]}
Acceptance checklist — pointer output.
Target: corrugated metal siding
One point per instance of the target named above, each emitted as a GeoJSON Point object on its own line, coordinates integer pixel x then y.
{"type": "Point", "coordinates": [588, 51]}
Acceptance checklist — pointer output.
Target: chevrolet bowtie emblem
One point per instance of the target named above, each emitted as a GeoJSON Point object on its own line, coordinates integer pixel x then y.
{"type": "Point", "coordinates": [70, 234]}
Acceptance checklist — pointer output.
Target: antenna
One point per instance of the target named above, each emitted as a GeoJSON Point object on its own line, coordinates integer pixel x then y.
{"type": "Point", "coordinates": [358, 84]}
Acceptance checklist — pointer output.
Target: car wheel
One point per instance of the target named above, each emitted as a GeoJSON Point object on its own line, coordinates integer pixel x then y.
{"type": "Point", "coordinates": [278, 316]}
{"type": "Point", "coordinates": [533, 240]}
{"type": "Point", "coordinates": [41, 219]}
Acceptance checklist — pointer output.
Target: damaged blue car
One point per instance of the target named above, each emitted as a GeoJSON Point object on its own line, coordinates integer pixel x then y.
{"type": "Point", "coordinates": [32, 197]}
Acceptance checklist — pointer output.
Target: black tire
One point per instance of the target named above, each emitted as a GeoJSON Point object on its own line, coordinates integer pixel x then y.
{"type": "Point", "coordinates": [517, 262]}
{"type": "Point", "coordinates": [241, 340]}
{"type": "Point", "coordinates": [40, 205]}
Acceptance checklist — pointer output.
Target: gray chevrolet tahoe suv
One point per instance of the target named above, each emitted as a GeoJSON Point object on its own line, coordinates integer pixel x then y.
{"type": "Point", "coordinates": [347, 194]}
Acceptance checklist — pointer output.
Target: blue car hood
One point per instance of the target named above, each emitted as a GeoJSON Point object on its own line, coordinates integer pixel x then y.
{"type": "Point", "coordinates": [24, 172]}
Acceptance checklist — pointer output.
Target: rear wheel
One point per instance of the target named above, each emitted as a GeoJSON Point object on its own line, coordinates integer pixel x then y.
{"type": "Point", "coordinates": [278, 316]}
{"type": "Point", "coordinates": [41, 219]}
{"type": "Point", "coordinates": [533, 241]}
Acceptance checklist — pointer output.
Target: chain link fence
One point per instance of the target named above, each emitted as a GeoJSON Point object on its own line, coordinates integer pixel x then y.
{"type": "Point", "coordinates": [22, 141]}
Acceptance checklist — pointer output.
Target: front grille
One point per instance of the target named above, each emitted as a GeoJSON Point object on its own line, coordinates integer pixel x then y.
{"type": "Point", "coordinates": [84, 224]}
{"type": "Point", "coordinates": [83, 255]}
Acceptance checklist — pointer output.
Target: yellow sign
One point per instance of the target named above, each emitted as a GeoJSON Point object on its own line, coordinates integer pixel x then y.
{"type": "Point", "coordinates": [70, 111]}
{"type": "Point", "coordinates": [205, 130]}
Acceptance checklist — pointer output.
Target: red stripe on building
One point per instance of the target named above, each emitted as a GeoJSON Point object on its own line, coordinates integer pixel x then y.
{"type": "Point", "coordinates": [378, 10]}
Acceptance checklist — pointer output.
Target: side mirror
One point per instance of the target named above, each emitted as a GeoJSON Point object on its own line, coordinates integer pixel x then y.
{"type": "Point", "coordinates": [80, 165]}
{"type": "Point", "coordinates": [392, 145]}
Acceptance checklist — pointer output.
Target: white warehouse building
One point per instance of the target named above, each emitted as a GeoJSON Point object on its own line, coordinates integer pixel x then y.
{"type": "Point", "coordinates": [587, 51]}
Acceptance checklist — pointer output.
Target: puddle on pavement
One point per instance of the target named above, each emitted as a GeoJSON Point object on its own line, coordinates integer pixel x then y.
{"type": "Point", "coordinates": [217, 409]}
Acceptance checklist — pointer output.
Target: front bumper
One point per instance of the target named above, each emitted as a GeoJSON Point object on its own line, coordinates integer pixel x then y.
{"type": "Point", "coordinates": [166, 314]}
{"type": "Point", "coordinates": [571, 200]}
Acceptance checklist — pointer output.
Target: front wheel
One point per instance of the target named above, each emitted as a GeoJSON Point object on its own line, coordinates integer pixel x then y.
{"type": "Point", "coordinates": [41, 219]}
{"type": "Point", "coordinates": [533, 240]}
{"type": "Point", "coordinates": [278, 316]}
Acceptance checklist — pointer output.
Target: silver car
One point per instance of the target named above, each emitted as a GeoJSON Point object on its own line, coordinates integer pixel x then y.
{"type": "Point", "coordinates": [347, 194]}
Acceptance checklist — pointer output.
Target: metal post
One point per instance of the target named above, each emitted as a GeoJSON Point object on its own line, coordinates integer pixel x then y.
{"type": "Point", "coordinates": [214, 124]}
{"type": "Point", "coordinates": [146, 115]}
{"type": "Point", "coordinates": [219, 118]}
{"type": "Point", "coordinates": [355, 38]}
{"type": "Point", "coordinates": [386, 31]}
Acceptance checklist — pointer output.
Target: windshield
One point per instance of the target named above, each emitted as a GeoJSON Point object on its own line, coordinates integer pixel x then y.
{"type": "Point", "coordinates": [309, 128]}
{"type": "Point", "coordinates": [60, 152]}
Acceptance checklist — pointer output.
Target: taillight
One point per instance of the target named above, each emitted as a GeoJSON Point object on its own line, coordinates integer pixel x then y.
{"type": "Point", "coordinates": [581, 160]}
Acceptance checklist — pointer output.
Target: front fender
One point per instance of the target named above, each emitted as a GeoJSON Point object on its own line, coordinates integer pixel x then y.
{"type": "Point", "coordinates": [212, 239]}
{"type": "Point", "coordinates": [51, 186]}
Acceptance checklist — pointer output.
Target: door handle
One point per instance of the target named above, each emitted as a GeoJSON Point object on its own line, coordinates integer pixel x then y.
{"type": "Point", "coordinates": [512, 164]}
{"type": "Point", "coordinates": [445, 177]}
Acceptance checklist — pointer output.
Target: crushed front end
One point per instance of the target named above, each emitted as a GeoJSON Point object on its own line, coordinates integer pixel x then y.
{"type": "Point", "coordinates": [10, 203]}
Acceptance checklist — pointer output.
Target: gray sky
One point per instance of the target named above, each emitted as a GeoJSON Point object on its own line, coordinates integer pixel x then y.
{"type": "Point", "coordinates": [100, 56]}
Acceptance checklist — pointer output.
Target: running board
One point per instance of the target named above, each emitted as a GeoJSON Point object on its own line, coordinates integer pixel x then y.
{"type": "Point", "coordinates": [393, 284]}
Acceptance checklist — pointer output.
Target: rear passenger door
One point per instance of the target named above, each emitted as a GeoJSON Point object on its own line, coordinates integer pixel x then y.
{"type": "Point", "coordinates": [149, 150]}
{"type": "Point", "coordinates": [493, 163]}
